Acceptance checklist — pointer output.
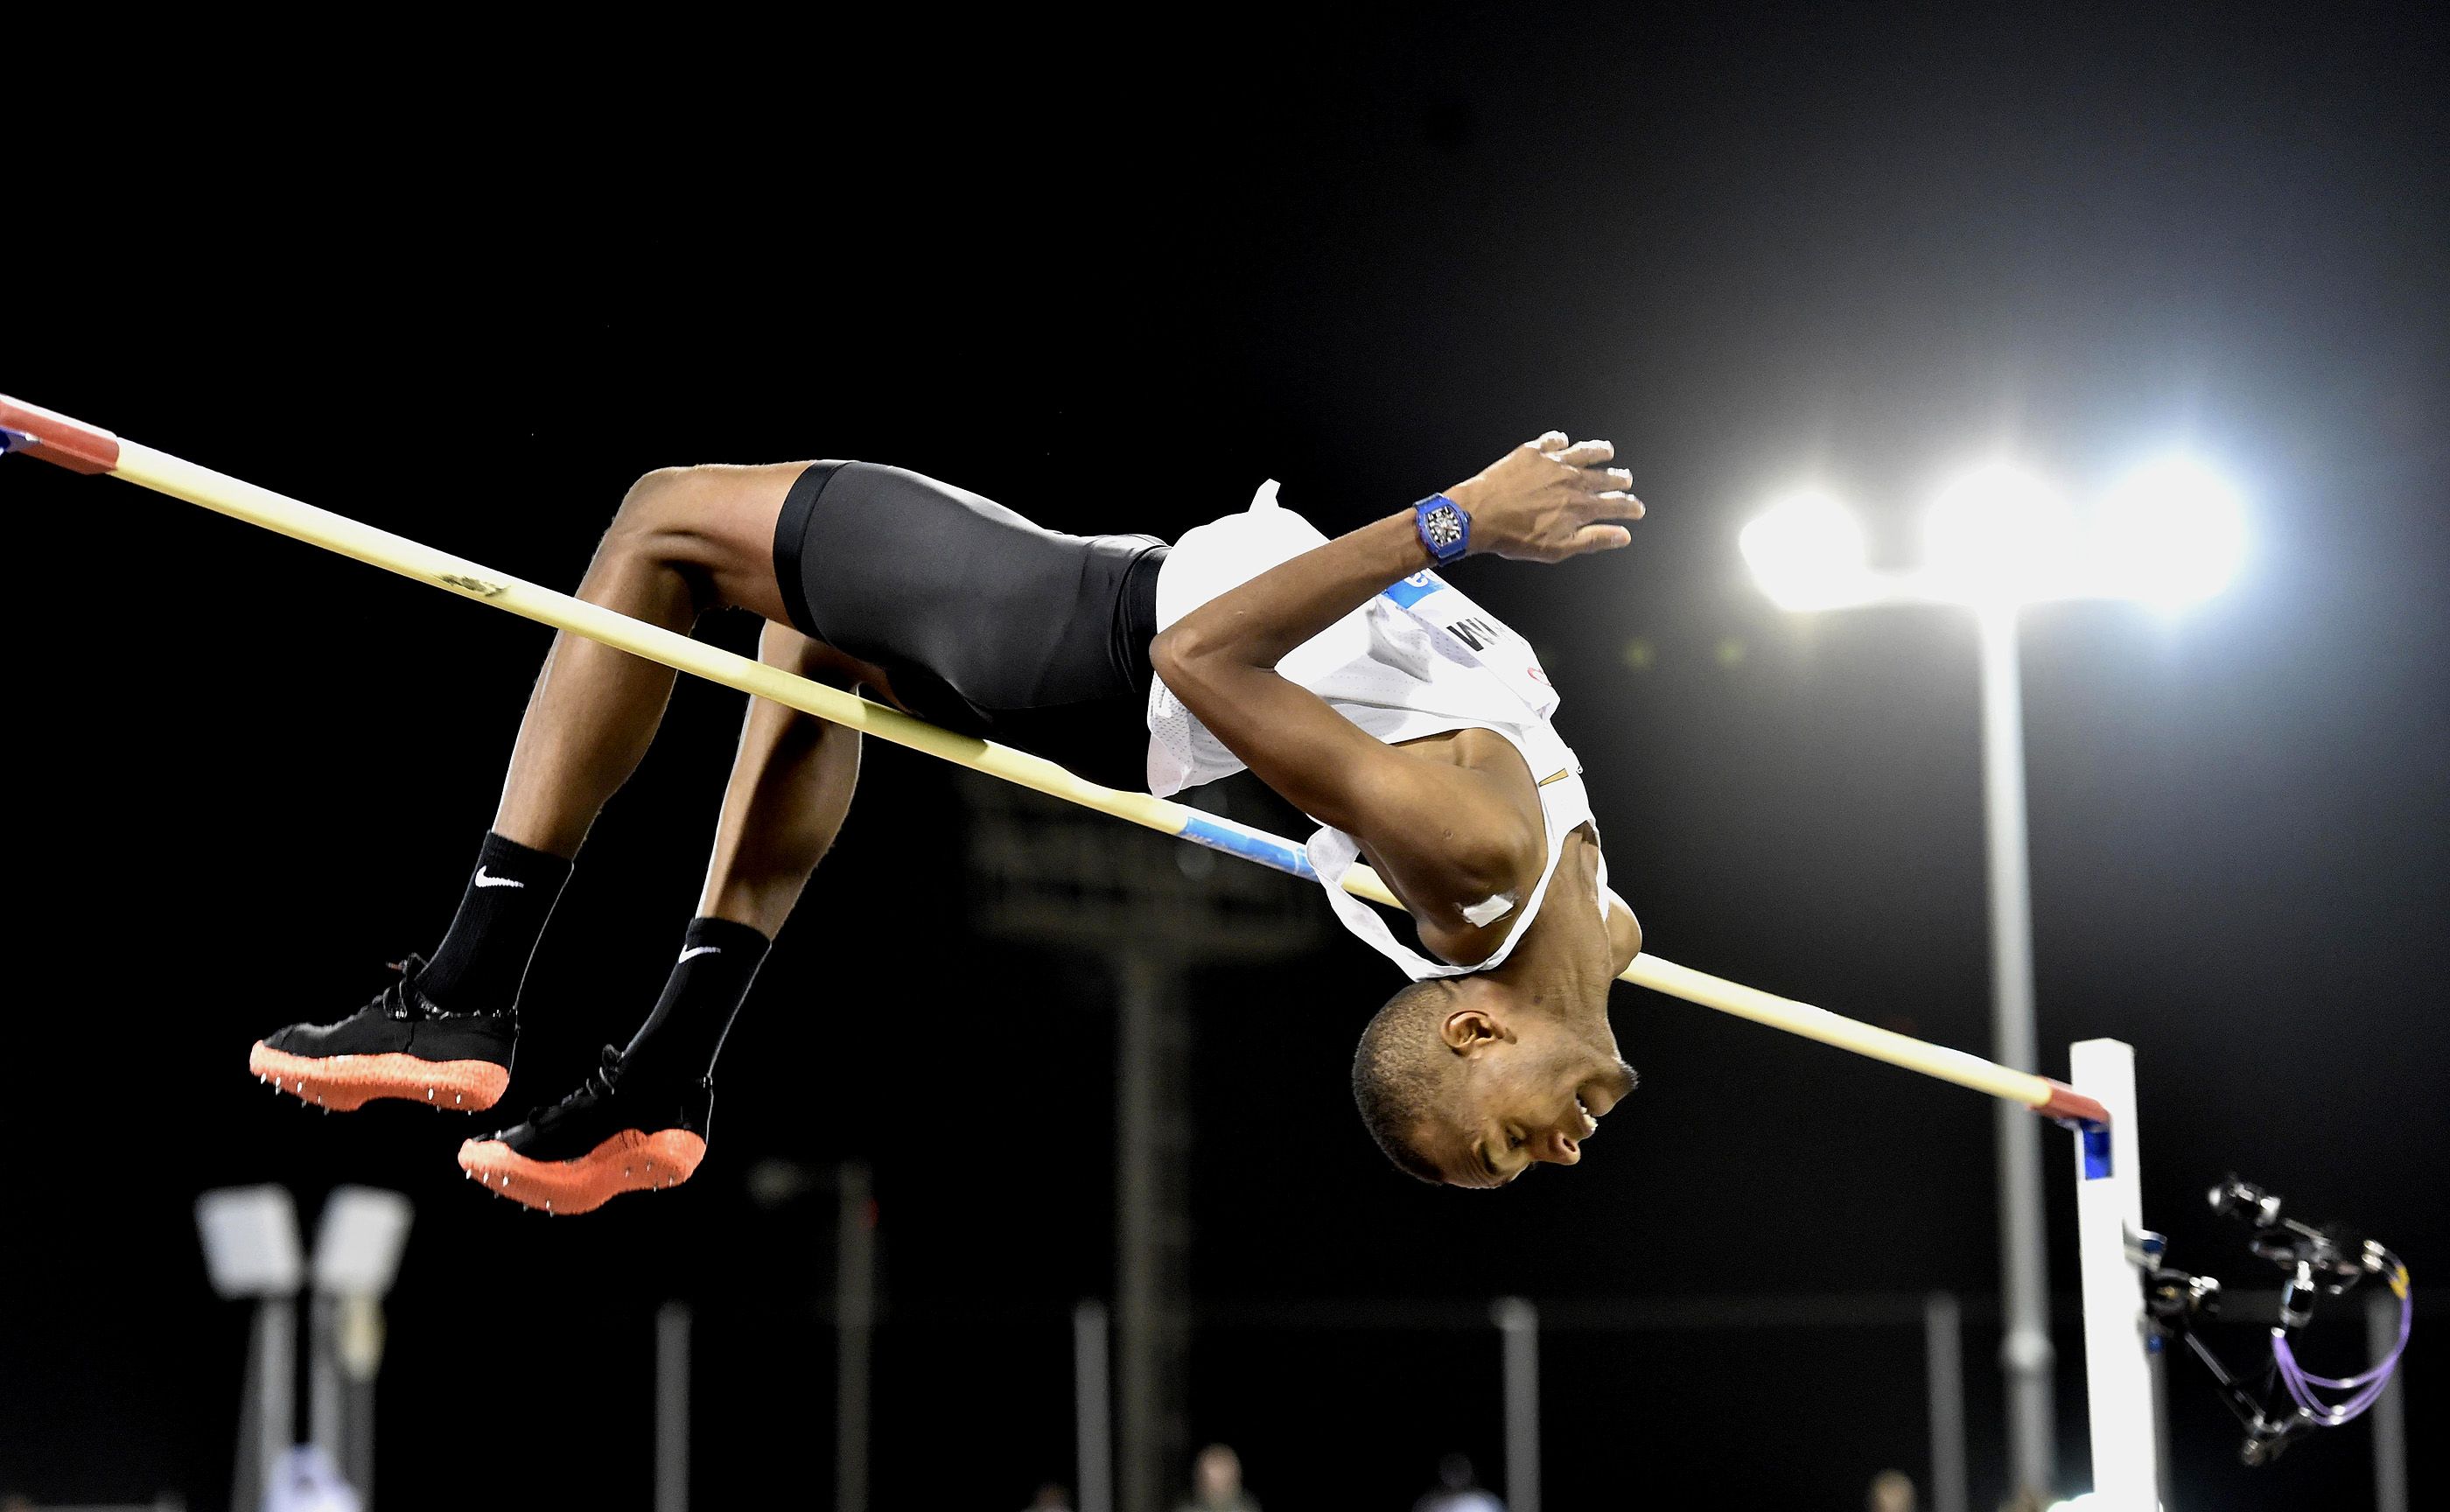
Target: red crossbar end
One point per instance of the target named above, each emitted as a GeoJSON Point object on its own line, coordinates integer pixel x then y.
{"type": "Point", "coordinates": [54, 437]}
{"type": "Point", "coordinates": [2068, 1105]}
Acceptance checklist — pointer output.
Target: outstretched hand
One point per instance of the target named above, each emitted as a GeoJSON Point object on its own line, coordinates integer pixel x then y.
{"type": "Point", "coordinates": [1544, 501]}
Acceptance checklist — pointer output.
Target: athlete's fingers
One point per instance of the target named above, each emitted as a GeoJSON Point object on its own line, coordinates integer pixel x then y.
{"type": "Point", "coordinates": [1551, 441]}
{"type": "Point", "coordinates": [1603, 499]}
{"type": "Point", "coordinates": [1600, 538]}
{"type": "Point", "coordinates": [1605, 481]}
{"type": "Point", "coordinates": [1586, 454]}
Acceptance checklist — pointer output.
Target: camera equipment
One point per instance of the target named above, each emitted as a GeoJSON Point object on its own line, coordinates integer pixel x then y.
{"type": "Point", "coordinates": [2317, 1261]}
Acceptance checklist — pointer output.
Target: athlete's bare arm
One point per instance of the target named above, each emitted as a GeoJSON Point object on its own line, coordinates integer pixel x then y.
{"type": "Point", "coordinates": [1446, 834]}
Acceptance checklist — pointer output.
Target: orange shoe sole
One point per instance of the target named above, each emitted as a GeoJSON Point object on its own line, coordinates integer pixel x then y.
{"type": "Point", "coordinates": [630, 1162]}
{"type": "Point", "coordinates": [345, 1082]}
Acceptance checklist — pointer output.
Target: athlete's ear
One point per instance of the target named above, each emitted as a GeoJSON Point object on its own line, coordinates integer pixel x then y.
{"type": "Point", "coordinates": [1468, 1029]}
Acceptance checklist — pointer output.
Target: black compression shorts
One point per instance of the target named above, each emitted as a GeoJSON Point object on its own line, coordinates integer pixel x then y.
{"type": "Point", "coordinates": [985, 623]}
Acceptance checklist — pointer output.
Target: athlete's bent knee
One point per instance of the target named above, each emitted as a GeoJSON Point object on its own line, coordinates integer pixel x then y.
{"type": "Point", "coordinates": [654, 522]}
{"type": "Point", "coordinates": [652, 496]}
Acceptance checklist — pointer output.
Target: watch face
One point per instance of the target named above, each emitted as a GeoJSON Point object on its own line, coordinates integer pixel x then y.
{"type": "Point", "coordinates": [1445, 526]}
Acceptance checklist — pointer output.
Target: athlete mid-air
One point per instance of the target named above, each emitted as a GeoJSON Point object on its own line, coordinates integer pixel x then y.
{"type": "Point", "coordinates": [1347, 673]}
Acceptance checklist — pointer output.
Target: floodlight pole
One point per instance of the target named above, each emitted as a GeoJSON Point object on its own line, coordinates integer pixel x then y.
{"type": "Point", "coordinates": [1093, 1405]}
{"type": "Point", "coordinates": [2026, 1356]}
{"type": "Point", "coordinates": [854, 1333]}
{"type": "Point", "coordinates": [326, 1413]}
{"type": "Point", "coordinates": [272, 1406]}
{"type": "Point", "coordinates": [2024, 1352]}
{"type": "Point", "coordinates": [251, 1251]}
{"type": "Point", "coordinates": [1518, 1323]}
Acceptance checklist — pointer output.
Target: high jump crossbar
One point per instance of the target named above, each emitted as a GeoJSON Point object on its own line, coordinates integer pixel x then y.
{"type": "Point", "coordinates": [83, 448]}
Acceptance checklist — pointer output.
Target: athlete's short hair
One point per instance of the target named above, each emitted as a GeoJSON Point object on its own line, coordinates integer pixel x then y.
{"type": "Point", "coordinates": [1401, 1072]}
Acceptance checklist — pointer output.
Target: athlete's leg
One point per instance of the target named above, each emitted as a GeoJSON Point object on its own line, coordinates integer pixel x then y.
{"type": "Point", "coordinates": [642, 1122]}
{"type": "Point", "coordinates": [790, 787]}
{"type": "Point", "coordinates": [683, 541]}
{"type": "Point", "coordinates": [686, 540]}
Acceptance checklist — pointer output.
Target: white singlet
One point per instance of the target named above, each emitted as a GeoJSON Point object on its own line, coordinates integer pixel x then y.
{"type": "Point", "coordinates": [1419, 659]}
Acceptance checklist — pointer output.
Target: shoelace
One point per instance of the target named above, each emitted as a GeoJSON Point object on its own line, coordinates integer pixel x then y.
{"type": "Point", "coordinates": [598, 1086]}
{"type": "Point", "coordinates": [401, 1000]}
{"type": "Point", "coordinates": [394, 999]}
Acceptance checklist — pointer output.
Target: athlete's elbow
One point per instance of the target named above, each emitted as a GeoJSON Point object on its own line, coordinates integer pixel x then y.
{"type": "Point", "coordinates": [1494, 863]}
{"type": "Point", "coordinates": [1624, 932]}
{"type": "Point", "coordinates": [1178, 653]}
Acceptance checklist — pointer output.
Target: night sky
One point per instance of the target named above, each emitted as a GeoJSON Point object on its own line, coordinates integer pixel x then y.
{"type": "Point", "coordinates": [467, 286]}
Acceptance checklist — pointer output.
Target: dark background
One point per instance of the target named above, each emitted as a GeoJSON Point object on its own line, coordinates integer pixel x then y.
{"type": "Point", "coordinates": [466, 285]}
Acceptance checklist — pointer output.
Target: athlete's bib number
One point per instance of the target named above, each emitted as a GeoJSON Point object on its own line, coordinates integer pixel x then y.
{"type": "Point", "coordinates": [1477, 633]}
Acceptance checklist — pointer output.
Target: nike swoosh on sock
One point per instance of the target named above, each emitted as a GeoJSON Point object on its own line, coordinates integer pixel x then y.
{"type": "Point", "coordinates": [700, 950]}
{"type": "Point", "coordinates": [483, 880]}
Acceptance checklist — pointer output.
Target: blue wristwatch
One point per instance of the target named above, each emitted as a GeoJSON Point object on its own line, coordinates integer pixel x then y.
{"type": "Point", "coordinates": [1445, 530]}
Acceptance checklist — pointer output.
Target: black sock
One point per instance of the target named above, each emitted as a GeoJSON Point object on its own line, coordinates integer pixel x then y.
{"type": "Point", "coordinates": [680, 1039]}
{"type": "Point", "coordinates": [479, 965]}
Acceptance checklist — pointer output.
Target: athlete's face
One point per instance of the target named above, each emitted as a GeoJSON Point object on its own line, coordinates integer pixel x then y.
{"type": "Point", "coordinates": [1530, 1093]}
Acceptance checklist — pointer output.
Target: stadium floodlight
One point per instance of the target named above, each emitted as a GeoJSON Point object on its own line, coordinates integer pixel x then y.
{"type": "Point", "coordinates": [358, 1241]}
{"type": "Point", "coordinates": [251, 1251]}
{"type": "Point", "coordinates": [1806, 551]}
{"type": "Point", "coordinates": [250, 1236]}
{"type": "Point", "coordinates": [2171, 533]}
{"type": "Point", "coordinates": [1995, 539]}
{"type": "Point", "coordinates": [1998, 537]}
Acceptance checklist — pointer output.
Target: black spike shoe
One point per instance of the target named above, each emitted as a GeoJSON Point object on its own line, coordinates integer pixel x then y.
{"type": "Point", "coordinates": [616, 1133]}
{"type": "Point", "coordinates": [401, 1045]}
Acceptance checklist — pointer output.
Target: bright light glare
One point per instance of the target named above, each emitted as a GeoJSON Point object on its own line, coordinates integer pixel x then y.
{"type": "Point", "coordinates": [1807, 553]}
{"type": "Point", "coordinates": [2171, 532]}
{"type": "Point", "coordinates": [1998, 535]}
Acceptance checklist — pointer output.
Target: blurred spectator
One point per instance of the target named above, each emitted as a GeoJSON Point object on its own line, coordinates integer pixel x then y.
{"type": "Point", "coordinates": [1050, 1497]}
{"type": "Point", "coordinates": [1892, 1491]}
{"type": "Point", "coordinates": [1217, 1483]}
{"type": "Point", "coordinates": [1458, 1490]}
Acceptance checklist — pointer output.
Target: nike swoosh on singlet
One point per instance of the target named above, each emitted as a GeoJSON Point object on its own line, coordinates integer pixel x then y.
{"type": "Point", "coordinates": [483, 880]}
{"type": "Point", "coordinates": [700, 950]}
